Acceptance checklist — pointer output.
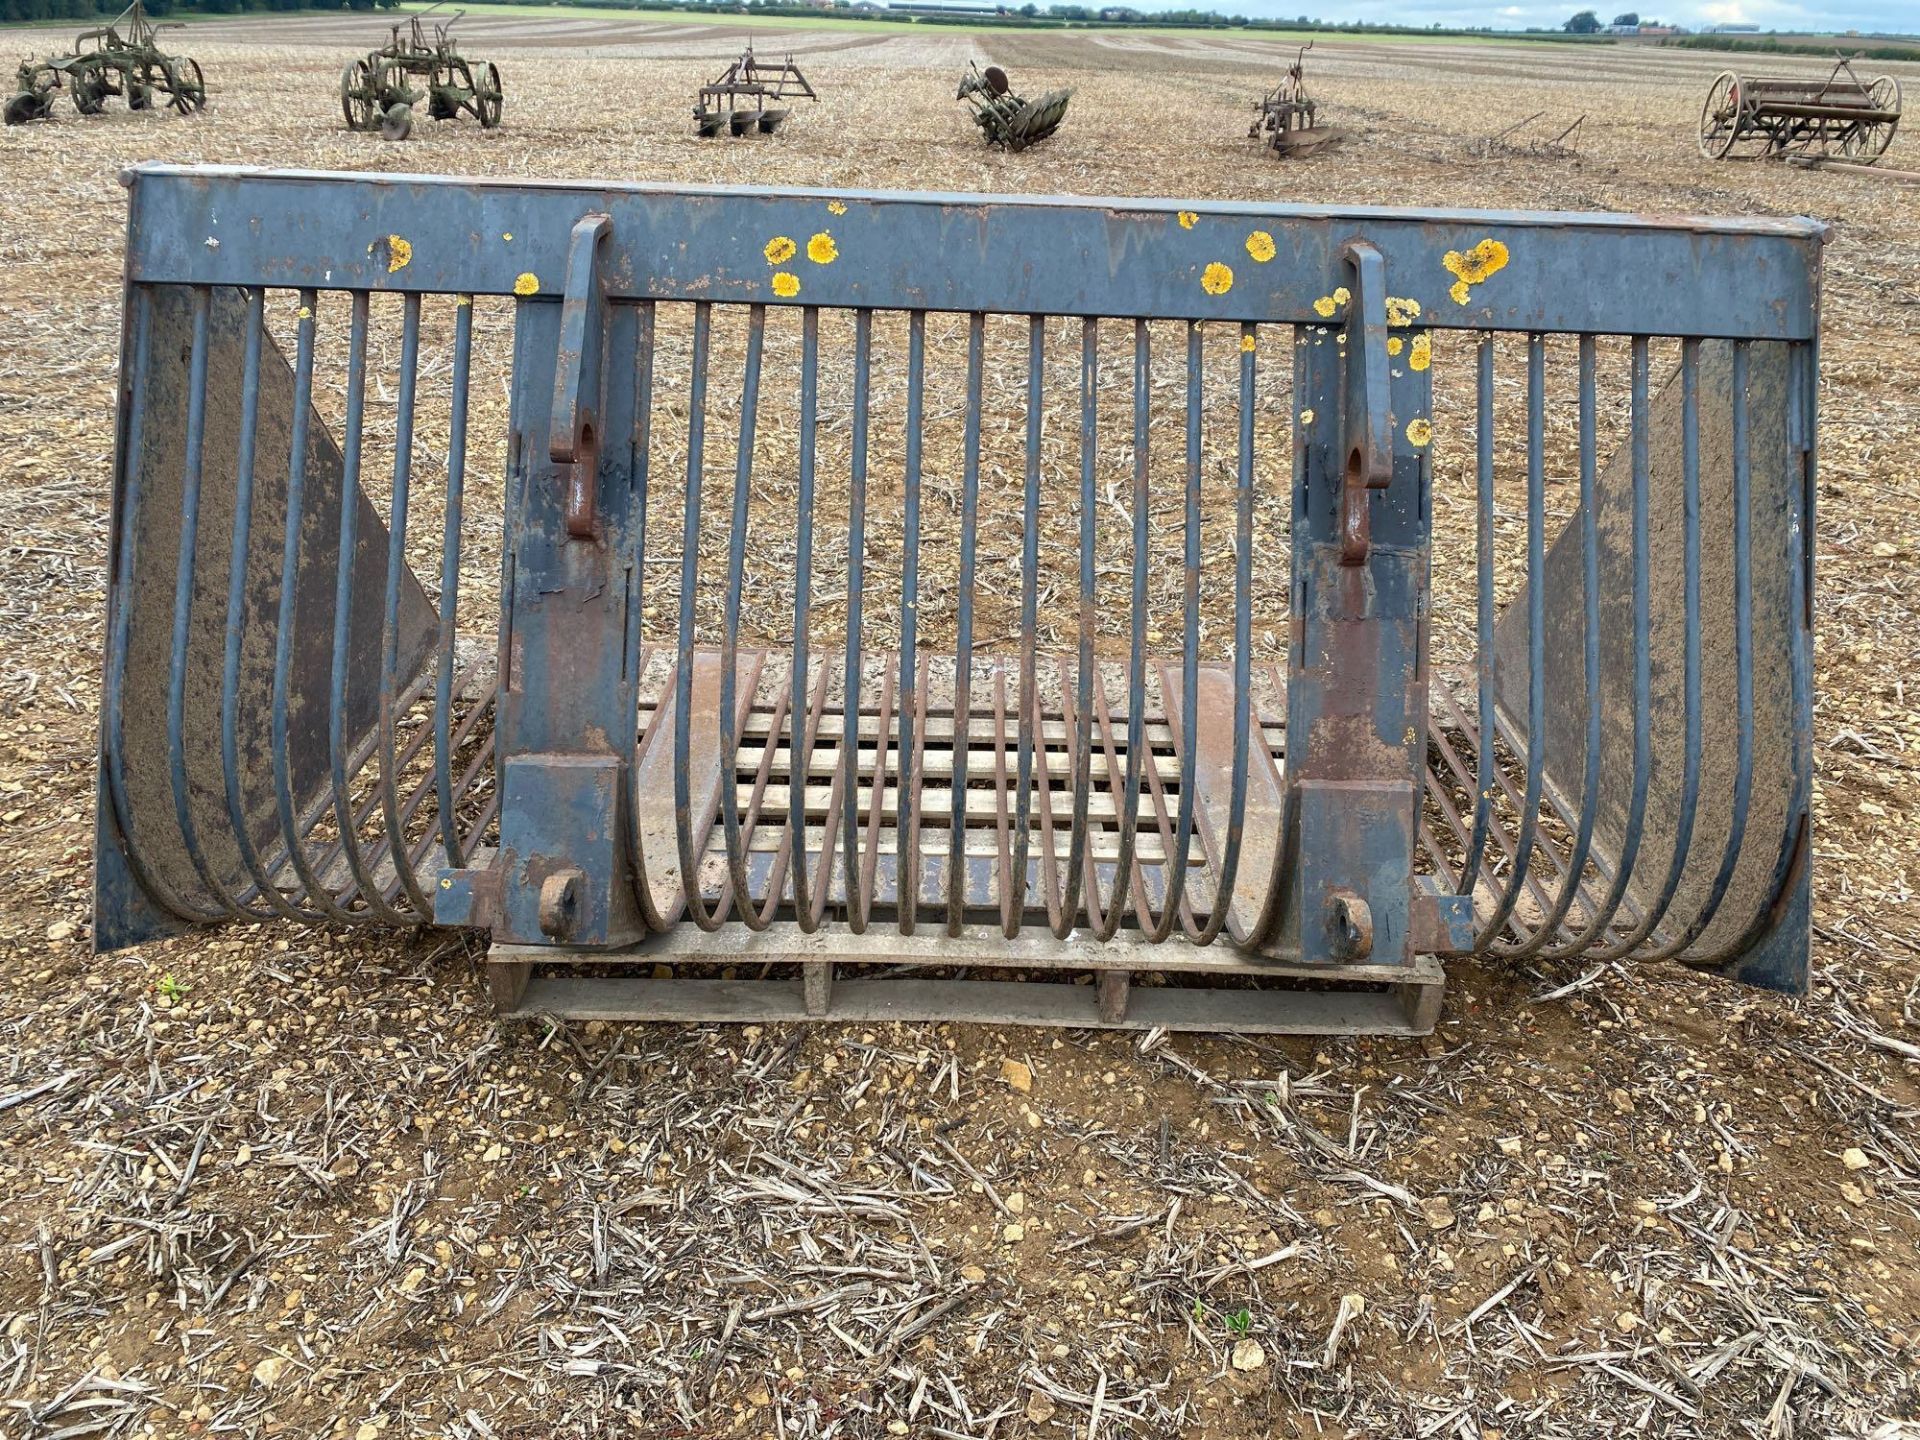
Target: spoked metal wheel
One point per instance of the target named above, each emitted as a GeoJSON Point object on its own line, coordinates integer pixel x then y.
{"type": "Point", "coordinates": [1867, 142]}
{"type": "Point", "coordinates": [188, 86]}
{"type": "Point", "coordinates": [1720, 117]}
{"type": "Point", "coordinates": [356, 97]}
{"type": "Point", "coordinates": [488, 98]}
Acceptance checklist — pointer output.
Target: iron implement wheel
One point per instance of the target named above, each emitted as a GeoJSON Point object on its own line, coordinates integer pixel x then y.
{"type": "Point", "coordinates": [1721, 116]}
{"type": "Point", "coordinates": [1868, 141]}
{"type": "Point", "coordinates": [488, 98]}
{"type": "Point", "coordinates": [186, 86]}
{"type": "Point", "coordinates": [356, 96]}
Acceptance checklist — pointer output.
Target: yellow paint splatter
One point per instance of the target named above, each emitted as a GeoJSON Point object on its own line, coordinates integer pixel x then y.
{"type": "Point", "coordinates": [786, 285]}
{"type": "Point", "coordinates": [1402, 310]}
{"type": "Point", "coordinates": [1246, 344]}
{"type": "Point", "coordinates": [836, 207]}
{"type": "Point", "coordinates": [1422, 354]}
{"type": "Point", "coordinates": [306, 312]}
{"type": "Point", "coordinates": [780, 249]}
{"type": "Point", "coordinates": [1216, 279]}
{"type": "Point", "coordinates": [1473, 267]}
{"type": "Point", "coordinates": [1395, 345]}
{"type": "Point", "coordinates": [821, 250]}
{"type": "Point", "coordinates": [526, 283]}
{"type": "Point", "coordinates": [506, 235]}
{"type": "Point", "coordinates": [399, 253]}
{"type": "Point", "coordinates": [1187, 219]}
{"type": "Point", "coordinates": [1306, 416]}
{"type": "Point", "coordinates": [464, 301]}
{"type": "Point", "coordinates": [1419, 432]}
{"type": "Point", "coordinates": [1260, 246]}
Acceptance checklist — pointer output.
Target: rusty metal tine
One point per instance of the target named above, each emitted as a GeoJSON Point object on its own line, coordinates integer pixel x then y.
{"type": "Point", "coordinates": [877, 806]}
{"type": "Point", "coordinates": [1011, 896]}
{"type": "Point", "coordinates": [1080, 720]}
{"type": "Point", "coordinates": [1013, 913]}
{"type": "Point", "coordinates": [1483, 442]}
{"type": "Point", "coordinates": [1549, 926]}
{"type": "Point", "coordinates": [396, 567]}
{"type": "Point", "coordinates": [829, 831]}
{"type": "Point", "coordinates": [803, 601]}
{"type": "Point", "coordinates": [1512, 796]}
{"type": "Point", "coordinates": [750, 823]}
{"type": "Point", "coordinates": [1742, 662]}
{"type": "Point", "coordinates": [1536, 638]}
{"type": "Point", "coordinates": [342, 608]}
{"type": "Point", "coordinates": [689, 591]}
{"type": "Point", "coordinates": [640, 443]}
{"type": "Point", "coordinates": [318, 893]}
{"type": "Point", "coordinates": [450, 576]}
{"type": "Point", "coordinates": [730, 636]}
{"type": "Point", "coordinates": [963, 647]}
{"type": "Point", "coordinates": [1059, 919]}
{"type": "Point", "coordinates": [1229, 863]}
{"type": "Point", "coordinates": [858, 900]}
{"type": "Point", "coordinates": [913, 777]}
{"type": "Point", "coordinates": [263, 886]}
{"type": "Point", "coordinates": [1125, 882]}
{"type": "Point", "coordinates": [183, 610]}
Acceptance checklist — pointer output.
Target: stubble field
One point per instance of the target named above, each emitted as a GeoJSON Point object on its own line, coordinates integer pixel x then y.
{"type": "Point", "coordinates": [291, 1183]}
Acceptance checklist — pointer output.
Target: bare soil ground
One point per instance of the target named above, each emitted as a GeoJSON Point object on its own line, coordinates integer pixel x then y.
{"type": "Point", "coordinates": [295, 1183]}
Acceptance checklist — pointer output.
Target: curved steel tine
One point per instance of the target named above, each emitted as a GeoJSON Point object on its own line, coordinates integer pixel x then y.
{"type": "Point", "coordinates": [1536, 641]}
{"type": "Point", "coordinates": [1485, 761]}
{"type": "Point", "coordinates": [1013, 908]}
{"type": "Point", "coordinates": [450, 535]}
{"type": "Point", "coordinates": [1602, 919]}
{"type": "Point", "coordinates": [730, 636]}
{"type": "Point", "coordinates": [689, 592]}
{"type": "Point", "coordinates": [1124, 877]}
{"type": "Point", "coordinates": [912, 680]}
{"type": "Point", "coordinates": [390, 627]}
{"type": "Point", "coordinates": [372, 893]}
{"type": "Point", "coordinates": [264, 885]}
{"type": "Point", "coordinates": [859, 900]}
{"type": "Point", "coordinates": [1549, 927]}
{"type": "Point", "coordinates": [641, 443]}
{"type": "Point", "coordinates": [1242, 647]}
{"type": "Point", "coordinates": [183, 612]}
{"type": "Point", "coordinates": [802, 606]}
{"type": "Point", "coordinates": [1742, 663]}
{"type": "Point", "coordinates": [1081, 697]}
{"type": "Point", "coordinates": [113, 698]}
{"type": "Point", "coordinates": [963, 648]}
{"type": "Point", "coordinates": [318, 892]}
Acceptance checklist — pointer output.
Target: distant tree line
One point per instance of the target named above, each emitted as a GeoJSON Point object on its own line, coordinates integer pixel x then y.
{"type": "Point", "coordinates": [1773, 45]}
{"type": "Point", "coordinates": [14, 11]}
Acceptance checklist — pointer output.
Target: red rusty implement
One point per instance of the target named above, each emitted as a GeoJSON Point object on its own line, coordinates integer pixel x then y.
{"type": "Point", "coordinates": [830, 674]}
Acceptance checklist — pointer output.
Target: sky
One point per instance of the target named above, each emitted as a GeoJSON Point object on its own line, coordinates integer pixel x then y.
{"type": "Point", "coordinates": [1897, 16]}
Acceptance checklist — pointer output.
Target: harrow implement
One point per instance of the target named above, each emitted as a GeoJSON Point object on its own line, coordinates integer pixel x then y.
{"type": "Point", "coordinates": [1210, 621]}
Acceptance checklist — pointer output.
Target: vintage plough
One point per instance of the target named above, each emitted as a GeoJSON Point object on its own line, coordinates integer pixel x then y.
{"type": "Point", "coordinates": [750, 95]}
{"type": "Point", "coordinates": [379, 92]}
{"type": "Point", "coordinates": [1843, 117]}
{"type": "Point", "coordinates": [1287, 119]}
{"type": "Point", "coordinates": [121, 60]}
{"type": "Point", "coordinates": [818, 669]}
{"type": "Point", "coordinates": [1003, 117]}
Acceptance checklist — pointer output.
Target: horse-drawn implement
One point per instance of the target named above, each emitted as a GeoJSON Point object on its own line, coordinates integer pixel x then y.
{"type": "Point", "coordinates": [1287, 118]}
{"type": "Point", "coordinates": [378, 93]}
{"type": "Point", "coordinates": [119, 60]}
{"type": "Point", "coordinates": [746, 97]}
{"type": "Point", "coordinates": [1748, 117]}
{"type": "Point", "coordinates": [1004, 117]}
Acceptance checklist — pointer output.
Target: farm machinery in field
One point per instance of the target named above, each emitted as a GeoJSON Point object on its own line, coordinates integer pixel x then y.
{"type": "Point", "coordinates": [747, 97]}
{"type": "Point", "coordinates": [1842, 117]}
{"type": "Point", "coordinates": [1287, 118]}
{"type": "Point", "coordinates": [1003, 117]}
{"type": "Point", "coordinates": [121, 59]}
{"type": "Point", "coordinates": [379, 93]}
